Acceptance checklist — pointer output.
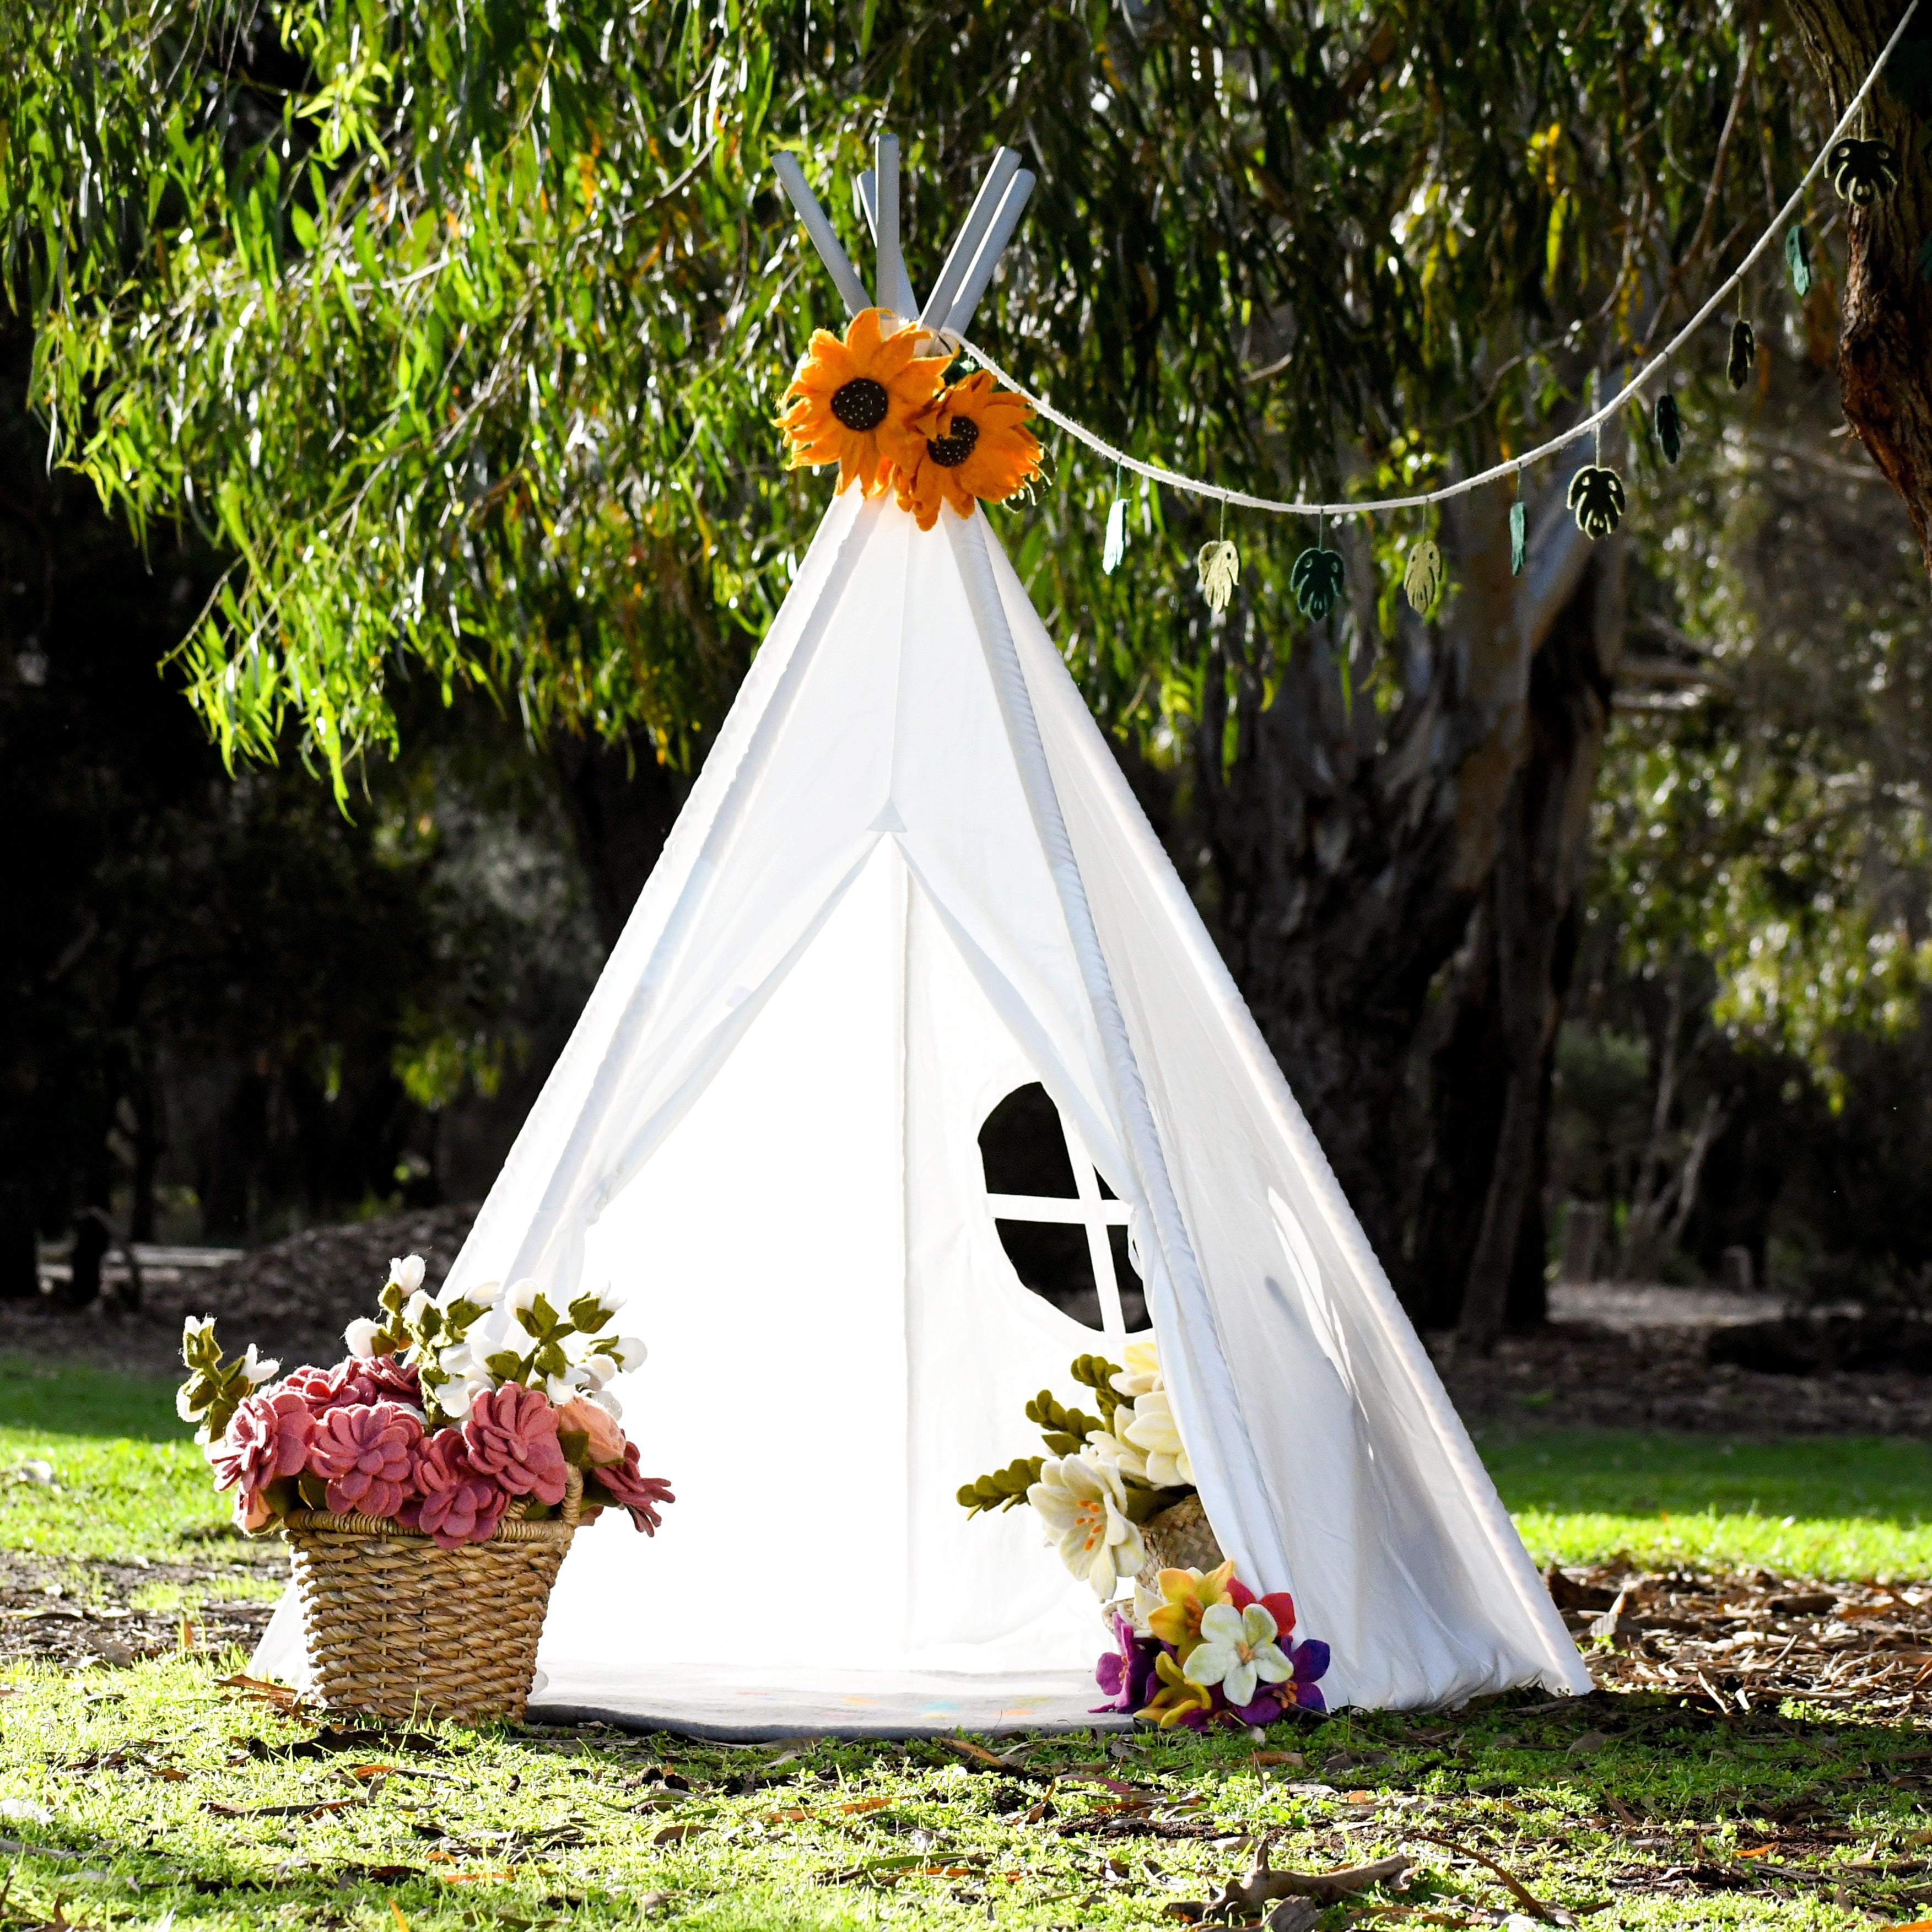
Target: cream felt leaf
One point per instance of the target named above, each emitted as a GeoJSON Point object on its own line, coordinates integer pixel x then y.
{"type": "Point", "coordinates": [1422, 579]}
{"type": "Point", "coordinates": [1220, 568]}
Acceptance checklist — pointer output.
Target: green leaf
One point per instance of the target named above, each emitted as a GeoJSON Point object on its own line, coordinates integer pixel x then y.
{"type": "Point", "coordinates": [1743, 359]}
{"type": "Point", "coordinates": [1597, 499]}
{"type": "Point", "coordinates": [1518, 522]}
{"type": "Point", "coordinates": [1797, 262]}
{"type": "Point", "coordinates": [1669, 427]}
{"type": "Point", "coordinates": [1316, 580]}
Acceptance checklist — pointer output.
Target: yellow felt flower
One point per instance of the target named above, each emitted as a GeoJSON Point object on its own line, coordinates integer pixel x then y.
{"type": "Point", "coordinates": [857, 401]}
{"type": "Point", "coordinates": [1186, 1595]}
{"type": "Point", "coordinates": [1177, 1699]}
{"type": "Point", "coordinates": [975, 445]}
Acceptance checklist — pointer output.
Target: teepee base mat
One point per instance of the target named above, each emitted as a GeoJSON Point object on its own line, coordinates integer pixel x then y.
{"type": "Point", "coordinates": [740, 1706]}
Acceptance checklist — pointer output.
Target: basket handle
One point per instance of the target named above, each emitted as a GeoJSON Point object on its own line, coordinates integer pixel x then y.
{"type": "Point", "coordinates": [573, 1495]}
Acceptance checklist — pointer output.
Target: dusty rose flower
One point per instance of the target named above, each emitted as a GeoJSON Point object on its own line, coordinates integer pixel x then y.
{"type": "Point", "coordinates": [453, 1504]}
{"type": "Point", "coordinates": [358, 1383]}
{"type": "Point", "coordinates": [365, 1455]}
{"type": "Point", "coordinates": [511, 1434]}
{"type": "Point", "coordinates": [639, 1495]}
{"type": "Point", "coordinates": [585, 1418]}
{"type": "Point", "coordinates": [267, 1436]}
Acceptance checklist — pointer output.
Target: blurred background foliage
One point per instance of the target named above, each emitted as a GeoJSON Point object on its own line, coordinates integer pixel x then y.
{"type": "Point", "coordinates": [428, 352]}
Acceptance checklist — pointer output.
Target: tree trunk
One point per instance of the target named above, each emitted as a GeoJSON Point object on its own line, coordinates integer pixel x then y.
{"type": "Point", "coordinates": [1397, 897]}
{"type": "Point", "coordinates": [1884, 345]}
{"type": "Point", "coordinates": [621, 804]}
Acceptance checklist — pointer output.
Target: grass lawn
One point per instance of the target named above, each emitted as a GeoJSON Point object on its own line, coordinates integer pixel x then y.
{"type": "Point", "coordinates": [155, 1795]}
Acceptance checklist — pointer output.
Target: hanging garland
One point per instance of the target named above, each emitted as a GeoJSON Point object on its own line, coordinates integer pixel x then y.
{"type": "Point", "coordinates": [1860, 171]}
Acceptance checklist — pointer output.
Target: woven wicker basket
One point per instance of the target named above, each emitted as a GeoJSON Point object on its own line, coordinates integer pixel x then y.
{"type": "Point", "coordinates": [396, 1627]}
{"type": "Point", "coordinates": [1179, 1538]}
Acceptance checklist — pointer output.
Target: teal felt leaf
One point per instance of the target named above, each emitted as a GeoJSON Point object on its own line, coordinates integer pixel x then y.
{"type": "Point", "coordinates": [1316, 581]}
{"type": "Point", "coordinates": [1743, 354]}
{"type": "Point", "coordinates": [1597, 499]}
{"type": "Point", "coordinates": [1423, 577]}
{"type": "Point", "coordinates": [1925, 260]}
{"type": "Point", "coordinates": [1670, 428]}
{"type": "Point", "coordinates": [1797, 262]}
{"type": "Point", "coordinates": [1117, 536]}
{"type": "Point", "coordinates": [1519, 537]}
{"type": "Point", "coordinates": [1861, 171]}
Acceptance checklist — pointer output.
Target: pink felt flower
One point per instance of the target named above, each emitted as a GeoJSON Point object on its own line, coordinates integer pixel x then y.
{"type": "Point", "coordinates": [511, 1434]}
{"type": "Point", "coordinates": [267, 1436]}
{"type": "Point", "coordinates": [639, 1495]}
{"type": "Point", "coordinates": [453, 1504]}
{"type": "Point", "coordinates": [578, 1417]}
{"type": "Point", "coordinates": [365, 1455]}
{"type": "Point", "coordinates": [357, 1383]}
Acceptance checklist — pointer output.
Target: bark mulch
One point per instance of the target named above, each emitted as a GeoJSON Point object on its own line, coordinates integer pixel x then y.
{"type": "Point", "coordinates": [1738, 1643]}
{"type": "Point", "coordinates": [1581, 1375]}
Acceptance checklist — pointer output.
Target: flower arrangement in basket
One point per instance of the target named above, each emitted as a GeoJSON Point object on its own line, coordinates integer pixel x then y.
{"type": "Point", "coordinates": [1194, 1646]}
{"type": "Point", "coordinates": [429, 1483]}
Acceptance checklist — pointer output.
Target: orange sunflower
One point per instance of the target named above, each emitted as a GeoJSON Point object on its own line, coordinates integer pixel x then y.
{"type": "Point", "coordinates": [974, 443]}
{"type": "Point", "coordinates": [857, 400]}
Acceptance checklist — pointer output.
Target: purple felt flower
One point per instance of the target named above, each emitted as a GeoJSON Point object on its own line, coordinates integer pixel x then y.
{"type": "Point", "coordinates": [1126, 1673]}
{"type": "Point", "coordinates": [366, 1455]}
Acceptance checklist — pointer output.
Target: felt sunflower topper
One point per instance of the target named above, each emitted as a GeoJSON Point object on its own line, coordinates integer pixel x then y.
{"type": "Point", "coordinates": [885, 415]}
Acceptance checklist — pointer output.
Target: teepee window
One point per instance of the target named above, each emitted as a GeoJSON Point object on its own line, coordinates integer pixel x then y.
{"type": "Point", "coordinates": [1062, 1228]}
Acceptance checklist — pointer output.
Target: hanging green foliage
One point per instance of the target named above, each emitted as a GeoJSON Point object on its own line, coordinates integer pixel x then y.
{"type": "Point", "coordinates": [1597, 498]}
{"type": "Point", "coordinates": [1743, 354]}
{"type": "Point", "coordinates": [1220, 570]}
{"type": "Point", "coordinates": [1797, 262]}
{"type": "Point", "coordinates": [1422, 579]}
{"type": "Point", "coordinates": [1117, 536]}
{"type": "Point", "coordinates": [1670, 428]}
{"type": "Point", "coordinates": [1519, 537]}
{"type": "Point", "coordinates": [1316, 581]}
{"type": "Point", "coordinates": [1861, 171]}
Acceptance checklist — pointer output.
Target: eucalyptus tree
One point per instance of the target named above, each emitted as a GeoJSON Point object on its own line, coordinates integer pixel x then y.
{"type": "Point", "coordinates": [458, 326]}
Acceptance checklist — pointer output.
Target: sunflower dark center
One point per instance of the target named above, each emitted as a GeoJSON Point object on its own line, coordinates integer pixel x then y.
{"type": "Point", "coordinates": [859, 404]}
{"type": "Point", "coordinates": [949, 451]}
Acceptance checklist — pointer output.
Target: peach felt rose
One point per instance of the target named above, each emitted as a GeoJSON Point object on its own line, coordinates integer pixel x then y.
{"type": "Point", "coordinates": [579, 1417]}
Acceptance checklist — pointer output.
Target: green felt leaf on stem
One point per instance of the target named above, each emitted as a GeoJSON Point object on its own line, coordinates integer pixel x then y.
{"type": "Point", "coordinates": [1519, 537]}
{"type": "Point", "coordinates": [1670, 428]}
{"type": "Point", "coordinates": [1797, 262]}
{"type": "Point", "coordinates": [1316, 580]}
{"type": "Point", "coordinates": [1743, 354]}
{"type": "Point", "coordinates": [1597, 500]}
{"type": "Point", "coordinates": [1861, 172]}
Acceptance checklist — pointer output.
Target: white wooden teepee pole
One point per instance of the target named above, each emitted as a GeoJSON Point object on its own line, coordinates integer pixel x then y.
{"type": "Point", "coordinates": [1252, 1537]}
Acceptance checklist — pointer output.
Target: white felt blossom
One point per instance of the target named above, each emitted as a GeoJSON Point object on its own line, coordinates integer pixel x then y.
{"type": "Point", "coordinates": [1238, 1647]}
{"type": "Point", "coordinates": [407, 1273]}
{"type": "Point", "coordinates": [360, 1336]}
{"type": "Point", "coordinates": [1154, 1431]}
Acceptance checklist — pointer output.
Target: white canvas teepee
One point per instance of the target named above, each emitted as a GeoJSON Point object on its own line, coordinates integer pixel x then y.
{"type": "Point", "coordinates": [910, 880]}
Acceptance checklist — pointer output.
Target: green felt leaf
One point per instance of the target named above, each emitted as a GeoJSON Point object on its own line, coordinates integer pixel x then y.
{"type": "Point", "coordinates": [1220, 569]}
{"type": "Point", "coordinates": [1519, 537]}
{"type": "Point", "coordinates": [1422, 577]}
{"type": "Point", "coordinates": [1597, 499]}
{"type": "Point", "coordinates": [1316, 581]}
{"type": "Point", "coordinates": [1861, 172]}
{"type": "Point", "coordinates": [1798, 261]}
{"type": "Point", "coordinates": [1670, 428]}
{"type": "Point", "coordinates": [1744, 353]}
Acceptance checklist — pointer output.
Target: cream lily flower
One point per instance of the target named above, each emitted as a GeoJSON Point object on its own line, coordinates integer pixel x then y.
{"type": "Point", "coordinates": [407, 1273]}
{"type": "Point", "coordinates": [360, 1337]}
{"type": "Point", "coordinates": [1236, 1649]}
{"type": "Point", "coordinates": [1084, 1506]}
{"type": "Point", "coordinates": [1110, 1450]}
{"type": "Point", "coordinates": [1154, 1431]}
{"type": "Point", "coordinates": [1142, 1374]}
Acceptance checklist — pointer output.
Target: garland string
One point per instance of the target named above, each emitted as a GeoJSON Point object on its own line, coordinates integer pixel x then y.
{"type": "Point", "coordinates": [1195, 486]}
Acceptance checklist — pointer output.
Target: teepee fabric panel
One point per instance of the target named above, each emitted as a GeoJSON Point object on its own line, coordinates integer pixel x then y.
{"type": "Point", "coordinates": [1396, 1547]}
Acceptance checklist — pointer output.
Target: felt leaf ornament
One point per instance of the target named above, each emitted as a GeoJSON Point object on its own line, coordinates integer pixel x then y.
{"type": "Point", "coordinates": [1862, 171]}
{"type": "Point", "coordinates": [1597, 498]}
{"type": "Point", "coordinates": [1743, 354]}
{"type": "Point", "coordinates": [1422, 579]}
{"type": "Point", "coordinates": [1316, 581]}
{"type": "Point", "coordinates": [1519, 537]}
{"type": "Point", "coordinates": [1797, 262]}
{"type": "Point", "coordinates": [1220, 570]}
{"type": "Point", "coordinates": [1117, 536]}
{"type": "Point", "coordinates": [1670, 428]}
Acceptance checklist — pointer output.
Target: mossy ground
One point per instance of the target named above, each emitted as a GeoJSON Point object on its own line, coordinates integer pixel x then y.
{"type": "Point", "coordinates": [153, 1794]}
